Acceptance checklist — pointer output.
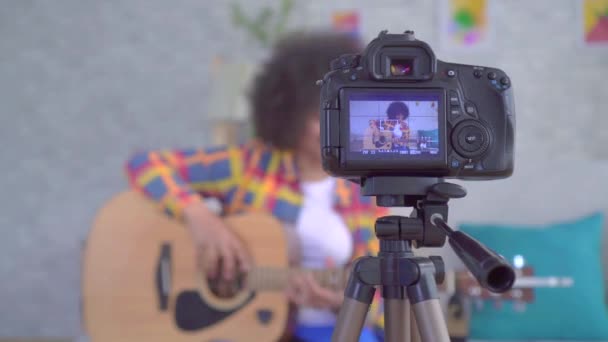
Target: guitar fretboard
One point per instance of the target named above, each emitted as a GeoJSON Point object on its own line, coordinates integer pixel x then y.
{"type": "Point", "coordinates": [273, 279]}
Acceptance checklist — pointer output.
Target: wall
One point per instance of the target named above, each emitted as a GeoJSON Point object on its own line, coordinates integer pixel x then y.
{"type": "Point", "coordinates": [85, 83]}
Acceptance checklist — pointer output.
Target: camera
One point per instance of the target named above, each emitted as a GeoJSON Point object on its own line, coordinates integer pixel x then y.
{"type": "Point", "coordinates": [397, 121]}
{"type": "Point", "coordinates": [396, 110]}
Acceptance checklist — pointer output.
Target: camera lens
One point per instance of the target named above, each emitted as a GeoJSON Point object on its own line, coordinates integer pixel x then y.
{"type": "Point", "coordinates": [402, 67]}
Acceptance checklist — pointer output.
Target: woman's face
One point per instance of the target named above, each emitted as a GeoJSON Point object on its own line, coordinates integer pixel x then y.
{"type": "Point", "coordinates": [311, 138]}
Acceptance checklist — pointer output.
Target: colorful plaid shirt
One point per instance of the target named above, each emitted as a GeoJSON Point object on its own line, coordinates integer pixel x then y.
{"type": "Point", "coordinates": [250, 177]}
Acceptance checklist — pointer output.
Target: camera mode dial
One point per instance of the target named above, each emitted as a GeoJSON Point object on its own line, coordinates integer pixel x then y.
{"type": "Point", "coordinates": [470, 139]}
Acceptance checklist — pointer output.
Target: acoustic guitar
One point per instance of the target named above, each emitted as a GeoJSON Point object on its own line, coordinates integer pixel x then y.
{"type": "Point", "coordinates": [140, 281]}
{"type": "Point", "coordinates": [376, 138]}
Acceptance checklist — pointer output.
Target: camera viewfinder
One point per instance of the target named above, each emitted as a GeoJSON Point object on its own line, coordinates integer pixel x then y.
{"type": "Point", "coordinates": [402, 66]}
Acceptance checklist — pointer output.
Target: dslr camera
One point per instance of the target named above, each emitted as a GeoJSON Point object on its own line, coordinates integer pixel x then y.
{"type": "Point", "coordinates": [396, 110]}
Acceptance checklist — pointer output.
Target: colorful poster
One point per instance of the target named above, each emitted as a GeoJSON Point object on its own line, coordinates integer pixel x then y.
{"type": "Point", "coordinates": [594, 15]}
{"type": "Point", "coordinates": [465, 23]}
{"type": "Point", "coordinates": [346, 21]}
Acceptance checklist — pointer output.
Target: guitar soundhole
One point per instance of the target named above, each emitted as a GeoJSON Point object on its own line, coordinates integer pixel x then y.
{"type": "Point", "coordinates": [224, 289]}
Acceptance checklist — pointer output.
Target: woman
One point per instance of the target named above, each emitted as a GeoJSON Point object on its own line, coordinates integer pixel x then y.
{"type": "Point", "coordinates": [278, 172]}
{"type": "Point", "coordinates": [398, 112]}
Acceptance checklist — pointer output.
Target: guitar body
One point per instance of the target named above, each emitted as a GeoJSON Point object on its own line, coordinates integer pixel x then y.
{"type": "Point", "coordinates": [381, 140]}
{"type": "Point", "coordinates": [140, 281]}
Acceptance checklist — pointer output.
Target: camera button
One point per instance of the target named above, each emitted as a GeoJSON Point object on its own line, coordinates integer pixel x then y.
{"type": "Point", "coordinates": [470, 109]}
{"type": "Point", "coordinates": [451, 73]}
{"type": "Point", "coordinates": [477, 73]}
{"type": "Point", "coordinates": [454, 100]}
{"type": "Point", "coordinates": [505, 81]}
{"type": "Point", "coordinates": [470, 139]}
{"type": "Point", "coordinates": [455, 164]}
{"type": "Point", "coordinates": [455, 111]}
{"type": "Point", "coordinates": [492, 75]}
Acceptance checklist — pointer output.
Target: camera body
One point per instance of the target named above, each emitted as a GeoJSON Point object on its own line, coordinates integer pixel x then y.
{"type": "Point", "coordinates": [395, 110]}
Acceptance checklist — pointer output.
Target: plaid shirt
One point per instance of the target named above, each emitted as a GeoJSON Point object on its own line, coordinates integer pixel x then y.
{"type": "Point", "coordinates": [251, 177]}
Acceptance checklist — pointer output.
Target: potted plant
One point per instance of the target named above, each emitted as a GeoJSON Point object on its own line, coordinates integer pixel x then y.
{"type": "Point", "coordinates": [228, 107]}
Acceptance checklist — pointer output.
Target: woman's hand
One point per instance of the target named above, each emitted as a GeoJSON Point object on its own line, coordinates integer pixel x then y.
{"type": "Point", "coordinates": [304, 290]}
{"type": "Point", "coordinates": [216, 245]}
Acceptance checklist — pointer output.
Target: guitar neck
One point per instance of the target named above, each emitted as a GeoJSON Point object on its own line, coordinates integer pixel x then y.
{"type": "Point", "coordinates": [276, 279]}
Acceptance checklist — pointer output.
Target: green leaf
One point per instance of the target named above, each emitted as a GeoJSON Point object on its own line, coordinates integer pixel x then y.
{"type": "Point", "coordinates": [286, 7]}
{"type": "Point", "coordinates": [264, 16]}
{"type": "Point", "coordinates": [238, 17]}
{"type": "Point", "coordinates": [260, 26]}
{"type": "Point", "coordinates": [259, 32]}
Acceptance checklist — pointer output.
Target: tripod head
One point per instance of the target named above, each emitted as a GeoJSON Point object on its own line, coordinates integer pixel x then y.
{"type": "Point", "coordinates": [427, 226]}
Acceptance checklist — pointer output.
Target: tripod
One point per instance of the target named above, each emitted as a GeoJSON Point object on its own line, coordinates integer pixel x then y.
{"type": "Point", "coordinates": [408, 281]}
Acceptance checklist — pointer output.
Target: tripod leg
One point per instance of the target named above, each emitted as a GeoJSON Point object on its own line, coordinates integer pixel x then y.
{"type": "Point", "coordinates": [357, 298]}
{"type": "Point", "coordinates": [350, 321]}
{"type": "Point", "coordinates": [427, 309]}
{"type": "Point", "coordinates": [431, 323]}
{"type": "Point", "coordinates": [415, 333]}
{"type": "Point", "coordinates": [397, 326]}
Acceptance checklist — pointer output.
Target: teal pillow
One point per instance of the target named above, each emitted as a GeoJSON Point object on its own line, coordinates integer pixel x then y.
{"type": "Point", "coordinates": [567, 249]}
{"type": "Point", "coordinates": [432, 134]}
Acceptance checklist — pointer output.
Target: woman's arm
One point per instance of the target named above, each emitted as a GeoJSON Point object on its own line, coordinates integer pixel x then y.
{"type": "Point", "coordinates": [176, 178]}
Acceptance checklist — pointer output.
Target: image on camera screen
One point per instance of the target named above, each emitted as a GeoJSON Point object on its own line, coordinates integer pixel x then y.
{"type": "Point", "coordinates": [404, 124]}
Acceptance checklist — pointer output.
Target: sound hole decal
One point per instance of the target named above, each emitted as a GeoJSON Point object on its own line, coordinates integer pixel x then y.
{"type": "Point", "coordinates": [264, 316]}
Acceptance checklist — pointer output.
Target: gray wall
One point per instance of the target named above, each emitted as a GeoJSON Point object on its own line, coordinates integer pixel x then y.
{"type": "Point", "coordinates": [83, 83]}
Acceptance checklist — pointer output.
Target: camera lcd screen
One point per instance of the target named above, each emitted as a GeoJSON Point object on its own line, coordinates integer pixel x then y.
{"type": "Point", "coordinates": [396, 124]}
